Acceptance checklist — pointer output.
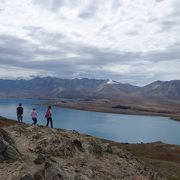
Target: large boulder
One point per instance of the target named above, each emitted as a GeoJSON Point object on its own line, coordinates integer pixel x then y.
{"type": "Point", "coordinates": [53, 171]}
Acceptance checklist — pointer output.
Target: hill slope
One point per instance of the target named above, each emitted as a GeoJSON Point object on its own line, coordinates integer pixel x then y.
{"type": "Point", "coordinates": [31, 152]}
{"type": "Point", "coordinates": [18, 160]}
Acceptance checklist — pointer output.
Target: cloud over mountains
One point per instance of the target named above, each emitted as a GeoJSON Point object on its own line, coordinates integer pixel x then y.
{"type": "Point", "coordinates": [136, 42]}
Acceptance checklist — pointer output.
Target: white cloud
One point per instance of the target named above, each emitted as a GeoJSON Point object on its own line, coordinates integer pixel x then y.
{"type": "Point", "coordinates": [19, 73]}
{"type": "Point", "coordinates": [99, 34]}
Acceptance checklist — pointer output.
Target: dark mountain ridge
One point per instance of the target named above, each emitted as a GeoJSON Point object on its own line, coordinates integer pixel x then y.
{"type": "Point", "coordinates": [53, 87]}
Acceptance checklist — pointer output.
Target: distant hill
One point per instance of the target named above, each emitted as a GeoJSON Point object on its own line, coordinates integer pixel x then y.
{"type": "Point", "coordinates": [167, 89]}
{"type": "Point", "coordinates": [86, 88]}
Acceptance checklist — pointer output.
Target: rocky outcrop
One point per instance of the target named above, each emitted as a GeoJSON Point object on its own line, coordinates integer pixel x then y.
{"type": "Point", "coordinates": [8, 151]}
{"type": "Point", "coordinates": [55, 154]}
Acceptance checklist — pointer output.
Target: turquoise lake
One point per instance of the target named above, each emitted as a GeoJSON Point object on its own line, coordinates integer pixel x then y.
{"type": "Point", "coordinates": [116, 127]}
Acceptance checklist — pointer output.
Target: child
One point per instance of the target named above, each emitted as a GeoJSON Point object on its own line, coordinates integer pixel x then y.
{"type": "Point", "coordinates": [34, 116]}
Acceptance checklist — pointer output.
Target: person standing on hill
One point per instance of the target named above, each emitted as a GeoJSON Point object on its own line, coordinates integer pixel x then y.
{"type": "Point", "coordinates": [20, 113]}
{"type": "Point", "coordinates": [34, 116]}
{"type": "Point", "coordinates": [48, 116]}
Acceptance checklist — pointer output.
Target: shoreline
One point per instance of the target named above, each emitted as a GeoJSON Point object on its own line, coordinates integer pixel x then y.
{"type": "Point", "coordinates": [114, 112]}
{"type": "Point", "coordinates": [107, 109]}
{"type": "Point", "coordinates": [153, 107]}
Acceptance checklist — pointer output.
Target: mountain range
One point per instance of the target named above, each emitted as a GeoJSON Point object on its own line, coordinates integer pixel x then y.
{"type": "Point", "coordinates": [53, 87]}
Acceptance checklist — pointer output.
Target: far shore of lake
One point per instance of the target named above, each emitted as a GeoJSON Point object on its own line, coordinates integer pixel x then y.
{"type": "Point", "coordinates": [109, 108]}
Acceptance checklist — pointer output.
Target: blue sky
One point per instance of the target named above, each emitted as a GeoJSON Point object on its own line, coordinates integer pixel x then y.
{"type": "Point", "coordinates": [128, 41]}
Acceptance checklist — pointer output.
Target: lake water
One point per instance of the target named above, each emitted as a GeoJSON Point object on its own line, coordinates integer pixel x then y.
{"type": "Point", "coordinates": [116, 127]}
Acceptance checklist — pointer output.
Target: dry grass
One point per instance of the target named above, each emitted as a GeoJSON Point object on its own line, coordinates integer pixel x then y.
{"type": "Point", "coordinates": [169, 169]}
{"type": "Point", "coordinates": [6, 122]}
{"type": "Point", "coordinates": [137, 106]}
{"type": "Point", "coordinates": [163, 157]}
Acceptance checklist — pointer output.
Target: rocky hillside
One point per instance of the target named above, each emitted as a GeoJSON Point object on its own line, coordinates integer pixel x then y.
{"type": "Point", "coordinates": [87, 88]}
{"type": "Point", "coordinates": [40, 153]}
